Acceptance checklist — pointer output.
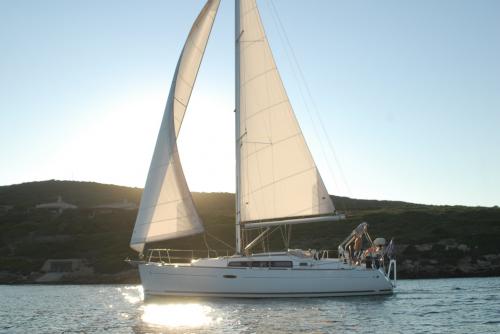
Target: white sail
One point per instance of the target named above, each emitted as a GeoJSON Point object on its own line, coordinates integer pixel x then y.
{"type": "Point", "coordinates": [278, 176]}
{"type": "Point", "coordinates": [167, 210]}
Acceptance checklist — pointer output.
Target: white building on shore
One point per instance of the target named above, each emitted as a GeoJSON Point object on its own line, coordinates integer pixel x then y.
{"type": "Point", "coordinates": [58, 206]}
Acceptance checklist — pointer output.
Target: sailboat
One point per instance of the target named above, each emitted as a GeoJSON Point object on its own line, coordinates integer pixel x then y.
{"type": "Point", "coordinates": [277, 185]}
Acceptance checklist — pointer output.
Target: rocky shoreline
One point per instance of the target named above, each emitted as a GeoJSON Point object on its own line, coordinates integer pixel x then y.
{"type": "Point", "coordinates": [444, 259]}
{"type": "Point", "coordinates": [130, 276]}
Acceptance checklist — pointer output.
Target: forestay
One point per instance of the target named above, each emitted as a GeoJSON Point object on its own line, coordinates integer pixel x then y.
{"type": "Point", "coordinates": [167, 210]}
{"type": "Point", "coordinates": [278, 176]}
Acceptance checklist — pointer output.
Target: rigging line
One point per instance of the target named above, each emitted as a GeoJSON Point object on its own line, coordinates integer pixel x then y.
{"type": "Point", "coordinates": [283, 237]}
{"type": "Point", "coordinates": [304, 100]}
{"type": "Point", "coordinates": [289, 235]}
{"type": "Point", "coordinates": [263, 241]}
{"type": "Point", "coordinates": [273, 230]}
{"type": "Point", "coordinates": [219, 240]}
{"type": "Point", "coordinates": [206, 243]}
{"type": "Point", "coordinates": [315, 108]}
{"type": "Point", "coordinates": [268, 243]}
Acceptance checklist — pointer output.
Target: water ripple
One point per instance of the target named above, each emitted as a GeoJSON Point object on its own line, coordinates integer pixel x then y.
{"type": "Point", "coordinates": [419, 306]}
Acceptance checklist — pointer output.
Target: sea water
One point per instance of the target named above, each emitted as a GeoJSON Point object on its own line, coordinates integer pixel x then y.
{"type": "Point", "coordinates": [469, 305]}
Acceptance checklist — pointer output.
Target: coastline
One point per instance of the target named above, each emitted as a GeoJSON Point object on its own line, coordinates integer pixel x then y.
{"type": "Point", "coordinates": [84, 245]}
{"type": "Point", "coordinates": [131, 276]}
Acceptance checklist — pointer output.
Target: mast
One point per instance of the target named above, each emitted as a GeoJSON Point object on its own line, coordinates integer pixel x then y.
{"type": "Point", "coordinates": [237, 123]}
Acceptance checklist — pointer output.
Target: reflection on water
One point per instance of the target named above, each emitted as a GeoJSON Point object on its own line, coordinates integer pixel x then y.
{"type": "Point", "coordinates": [419, 306]}
{"type": "Point", "coordinates": [164, 312]}
{"type": "Point", "coordinates": [177, 315]}
{"type": "Point", "coordinates": [132, 294]}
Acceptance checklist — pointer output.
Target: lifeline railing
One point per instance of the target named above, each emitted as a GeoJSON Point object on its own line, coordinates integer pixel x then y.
{"type": "Point", "coordinates": [328, 253]}
{"type": "Point", "coordinates": [167, 255]}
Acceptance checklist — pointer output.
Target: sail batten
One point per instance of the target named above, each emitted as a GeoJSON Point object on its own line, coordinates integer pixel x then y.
{"type": "Point", "coordinates": [278, 176]}
{"type": "Point", "coordinates": [167, 210]}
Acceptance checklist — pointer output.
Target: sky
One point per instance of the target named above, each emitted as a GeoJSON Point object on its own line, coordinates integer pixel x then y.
{"type": "Point", "coordinates": [398, 100]}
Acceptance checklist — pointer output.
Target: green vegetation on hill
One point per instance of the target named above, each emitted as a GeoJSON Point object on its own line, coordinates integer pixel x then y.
{"type": "Point", "coordinates": [83, 194]}
{"type": "Point", "coordinates": [29, 236]}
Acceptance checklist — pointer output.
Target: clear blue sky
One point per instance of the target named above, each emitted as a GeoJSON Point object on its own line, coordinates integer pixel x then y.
{"type": "Point", "coordinates": [408, 91]}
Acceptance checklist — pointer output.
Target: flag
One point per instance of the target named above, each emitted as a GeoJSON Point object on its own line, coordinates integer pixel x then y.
{"type": "Point", "coordinates": [390, 250]}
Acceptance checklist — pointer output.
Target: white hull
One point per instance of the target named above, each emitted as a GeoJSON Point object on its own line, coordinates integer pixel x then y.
{"type": "Point", "coordinates": [213, 278]}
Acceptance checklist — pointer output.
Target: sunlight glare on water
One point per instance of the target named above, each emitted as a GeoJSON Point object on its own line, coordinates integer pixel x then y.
{"type": "Point", "coordinates": [132, 294]}
{"type": "Point", "coordinates": [177, 315]}
{"type": "Point", "coordinates": [168, 314]}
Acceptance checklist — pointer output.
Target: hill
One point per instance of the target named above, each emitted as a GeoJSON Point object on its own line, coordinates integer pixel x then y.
{"type": "Point", "coordinates": [433, 241]}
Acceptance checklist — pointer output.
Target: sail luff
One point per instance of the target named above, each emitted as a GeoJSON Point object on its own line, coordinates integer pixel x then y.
{"type": "Point", "coordinates": [167, 210]}
{"type": "Point", "coordinates": [278, 175]}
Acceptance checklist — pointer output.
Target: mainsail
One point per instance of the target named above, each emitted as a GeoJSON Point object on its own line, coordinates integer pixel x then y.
{"type": "Point", "coordinates": [167, 210]}
{"type": "Point", "coordinates": [278, 177]}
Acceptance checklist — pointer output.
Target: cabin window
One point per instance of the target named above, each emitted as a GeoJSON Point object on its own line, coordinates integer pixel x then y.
{"type": "Point", "coordinates": [260, 264]}
{"type": "Point", "coordinates": [238, 264]}
{"type": "Point", "coordinates": [303, 264]}
{"type": "Point", "coordinates": [281, 264]}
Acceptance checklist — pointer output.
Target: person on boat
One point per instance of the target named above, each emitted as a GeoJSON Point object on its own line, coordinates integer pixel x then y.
{"type": "Point", "coordinates": [372, 251]}
{"type": "Point", "coordinates": [351, 254]}
{"type": "Point", "coordinates": [357, 247]}
{"type": "Point", "coordinates": [346, 256]}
